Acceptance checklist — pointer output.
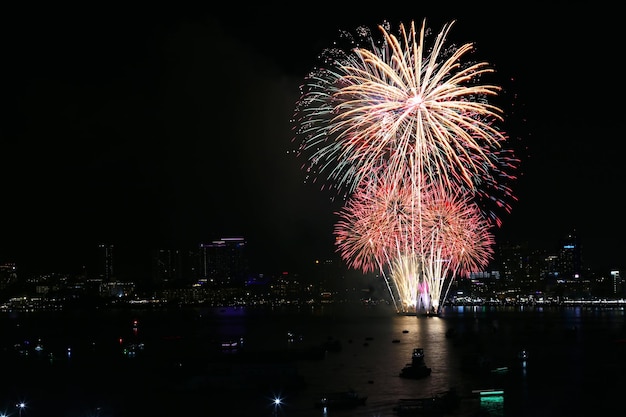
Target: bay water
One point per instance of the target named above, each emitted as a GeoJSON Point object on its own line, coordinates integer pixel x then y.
{"type": "Point", "coordinates": [170, 362]}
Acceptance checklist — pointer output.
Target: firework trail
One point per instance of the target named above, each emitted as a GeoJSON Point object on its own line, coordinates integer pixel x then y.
{"type": "Point", "coordinates": [456, 241]}
{"type": "Point", "coordinates": [375, 228]}
{"type": "Point", "coordinates": [399, 126]}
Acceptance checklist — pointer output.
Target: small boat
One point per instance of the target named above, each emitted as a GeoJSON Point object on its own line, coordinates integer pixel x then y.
{"type": "Point", "coordinates": [522, 355]}
{"type": "Point", "coordinates": [131, 349]}
{"type": "Point", "coordinates": [231, 344]}
{"type": "Point", "coordinates": [417, 368]}
{"type": "Point", "coordinates": [340, 400]}
{"type": "Point", "coordinates": [418, 354]}
{"type": "Point", "coordinates": [490, 392]}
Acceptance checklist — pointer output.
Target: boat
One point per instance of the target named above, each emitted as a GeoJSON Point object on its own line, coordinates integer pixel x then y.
{"type": "Point", "coordinates": [131, 349]}
{"type": "Point", "coordinates": [412, 371]}
{"type": "Point", "coordinates": [231, 345]}
{"type": "Point", "coordinates": [489, 392]}
{"type": "Point", "coordinates": [522, 355]}
{"type": "Point", "coordinates": [417, 368]}
{"type": "Point", "coordinates": [417, 355]}
{"type": "Point", "coordinates": [500, 370]}
{"type": "Point", "coordinates": [340, 400]}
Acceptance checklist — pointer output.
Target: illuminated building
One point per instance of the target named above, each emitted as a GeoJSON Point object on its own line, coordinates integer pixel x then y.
{"type": "Point", "coordinates": [617, 284]}
{"type": "Point", "coordinates": [105, 262]}
{"type": "Point", "coordinates": [8, 274]}
{"type": "Point", "coordinates": [224, 261]}
{"type": "Point", "coordinates": [570, 258]}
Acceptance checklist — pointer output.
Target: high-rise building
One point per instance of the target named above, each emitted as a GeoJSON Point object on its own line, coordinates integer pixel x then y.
{"type": "Point", "coordinates": [513, 263]}
{"type": "Point", "coordinates": [617, 284]}
{"type": "Point", "coordinates": [105, 262]}
{"type": "Point", "coordinates": [224, 261]}
{"type": "Point", "coordinates": [167, 268]}
{"type": "Point", "coordinates": [174, 268]}
{"type": "Point", "coordinates": [570, 258]}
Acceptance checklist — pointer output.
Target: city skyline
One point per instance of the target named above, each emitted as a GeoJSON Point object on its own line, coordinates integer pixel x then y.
{"type": "Point", "coordinates": [166, 128]}
{"type": "Point", "coordinates": [105, 263]}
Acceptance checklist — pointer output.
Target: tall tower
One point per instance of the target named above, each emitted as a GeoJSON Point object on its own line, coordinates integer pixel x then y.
{"type": "Point", "coordinates": [617, 283]}
{"type": "Point", "coordinates": [570, 257]}
{"type": "Point", "coordinates": [105, 262]}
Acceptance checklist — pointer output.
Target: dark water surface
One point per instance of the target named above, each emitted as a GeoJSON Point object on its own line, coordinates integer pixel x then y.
{"type": "Point", "coordinates": [576, 362]}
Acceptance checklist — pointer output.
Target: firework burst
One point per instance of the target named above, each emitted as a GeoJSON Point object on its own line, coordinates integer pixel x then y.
{"type": "Point", "coordinates": [418, 252]}
{"type": "Point", "coordinates": [376, 228]}
{"type": "Point", "coordinates": [392, 100]}
{"type": "Point", "coordinates": [407, 132]}
{"type": "Point", "coordinates": [456, 240]}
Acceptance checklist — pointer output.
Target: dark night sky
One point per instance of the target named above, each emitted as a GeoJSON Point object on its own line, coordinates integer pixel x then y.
{"type": "Point", "coordinates": [167, 127]}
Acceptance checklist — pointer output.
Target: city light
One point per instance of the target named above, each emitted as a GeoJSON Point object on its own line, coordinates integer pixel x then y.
{"type": "Point", "coordinates": [277, 402]}
{"type": "Point", "coordinates": [20, 406]}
